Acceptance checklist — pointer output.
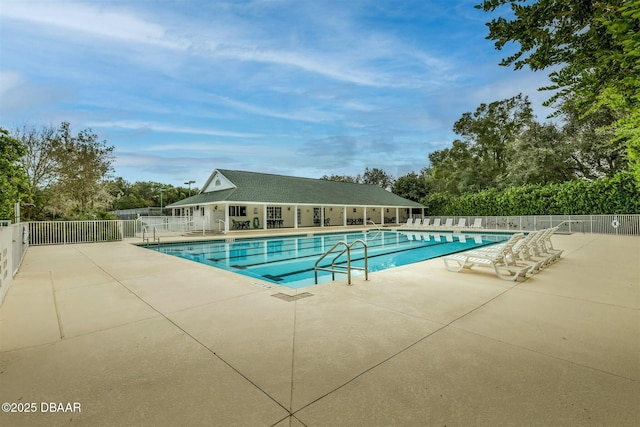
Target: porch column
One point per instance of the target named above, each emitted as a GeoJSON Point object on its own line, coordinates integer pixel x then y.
{"type": "Point", "coordinates": [364, 215]}
{"type": "Point", "coordinates": [264, 216]}
{"type": "Point", "coordinates": [226, 218]}
{"type": "Point", "coordinates": [344, 216]}
{"type": "Point", "coordinates": [382, 208]}
{"type": "Point", "coordinates": [295, 216]}
{"type": "Point", "coordinates": [397, 216]}
{"type": "Point", "coordinates": [321, 216]}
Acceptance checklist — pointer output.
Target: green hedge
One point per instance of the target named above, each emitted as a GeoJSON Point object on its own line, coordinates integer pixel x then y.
{"type": "Point", "coordinates": [619, 194]}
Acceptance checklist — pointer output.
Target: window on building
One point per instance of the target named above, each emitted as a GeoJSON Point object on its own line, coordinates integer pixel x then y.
{"type": "Point", "coordinates": [237, 211]}
{"type": "Point", "coordinates": [274, 212]}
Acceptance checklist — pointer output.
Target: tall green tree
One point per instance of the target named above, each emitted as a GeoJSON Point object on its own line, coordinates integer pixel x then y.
{"type": "Point", "coordinates": [479, 160]}
{"type": "Point", "coordinates": [411, 186]}
{"type": "Point", "coordinates": [13, 179]}
{"type": "Point", "coordinates": [540, 155]}
{"type": "Point", "coordinates": [376, 176]}
{"type": "Point", "coordinates": [596, 151]}
{"type": "Point", "coordinates": [40, 165]}
{"type": "Point", "coordinates": [593, 47]}
{"type": "Point", "coordinates": [66, 172]}
{"type": "Point", "coordinates": [83, 165]}
{"type": "Point", "coordinates": [490, 130]}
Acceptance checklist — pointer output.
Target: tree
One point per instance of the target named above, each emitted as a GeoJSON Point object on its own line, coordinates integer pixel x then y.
{"type": "Point", "coordinates": [596, 152]}
{"type": "Point", "coordinates": [372, 176]}
{"type": "Point", "coordinates": [40, 166]}
{"type": "Point", "coordinates": [490, 130]}
{"type": "Point", "coordinates": [343, 178]}
{"type": "Point", "coordinates": [144, 194]}
{"type": "Point", "coordinates": [13, 179]}
{"type": "Point", "coordinates": [452, 170]}
{"type": "Point", "coordinates": [83, 164]}
{"type": "Point", "coordinates": [540, 155]}
{"type": "Point", "coordinates": [377, 177]}
{"type": "Point", "coordinates": [594, 48]}
{"type": "Point", "coordinates": [66, 172]}
{"type": "Point", "coordinates": [411, 186]}
{"type": "Point", "coordinates": [480, 159]}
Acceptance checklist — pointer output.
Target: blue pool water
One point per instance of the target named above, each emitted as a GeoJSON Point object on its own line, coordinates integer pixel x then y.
{"type": "Point", "coordinates": [289, 260]}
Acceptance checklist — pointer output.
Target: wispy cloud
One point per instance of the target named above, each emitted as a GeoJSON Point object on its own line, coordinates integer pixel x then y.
{"type": "Point", "coordinates": [90, 19]}
{"type": "Point", "coordinates": [157, 127]}
{"type": "Point", "coordinates": [357, 64]}
{"type": "Point", "coordinates": [283, 86]}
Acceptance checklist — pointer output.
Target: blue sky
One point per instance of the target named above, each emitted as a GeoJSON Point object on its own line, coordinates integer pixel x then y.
{"type": "Point", "coordinates": [294, 87]}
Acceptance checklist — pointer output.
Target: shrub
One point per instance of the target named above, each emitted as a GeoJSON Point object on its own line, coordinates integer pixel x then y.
{"type": "Point", "coordinates": [619, 194]}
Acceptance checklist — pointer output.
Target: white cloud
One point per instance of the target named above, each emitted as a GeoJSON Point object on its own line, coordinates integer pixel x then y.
{"type": "Point", "coordinates": [157, 127]}
{"type": "Point", "coordinates": [9, 80]}
{"type": "Point", "coordinates": [90, 19]}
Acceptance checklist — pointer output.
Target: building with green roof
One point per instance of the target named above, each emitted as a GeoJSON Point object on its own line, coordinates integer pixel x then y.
{"type": "Point", "coordinates": [235, 200]}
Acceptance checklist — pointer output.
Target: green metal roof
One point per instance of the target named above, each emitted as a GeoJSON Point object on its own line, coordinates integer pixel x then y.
{"type": "Point", "coordinates": [254, 187]}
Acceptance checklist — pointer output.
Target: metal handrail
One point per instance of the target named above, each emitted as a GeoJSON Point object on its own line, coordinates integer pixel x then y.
{"type": "Point", "coordinates": [145, 234]}
{"type": "Point", "coordinates": [339, 268]}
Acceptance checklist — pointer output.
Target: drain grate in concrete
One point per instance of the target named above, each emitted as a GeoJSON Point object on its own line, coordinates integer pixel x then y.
{"type": "Point", "coordinates": [290, 298]}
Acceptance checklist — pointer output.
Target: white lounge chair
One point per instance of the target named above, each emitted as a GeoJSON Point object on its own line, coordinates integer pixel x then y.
{"type": "Point", "coordinates": [522, 251]}
{"type": "Point", "coordinates": [462, 222]}
{"type": "Point", "coordinates": [448, 223]}
{"type": "Point", "coordinates": [544, 247]}
{"type": "Point", "coordinates": [417, 222]}
{"type": "Point", "coordinates": [425, 222]}
{"type": "Point", "coordinates": [502, 261]}
{"type": "Point", "coordinates": [477, 223]}
{"type": "Point", "coordinates": [436, 222]}
{"type": "Point", "coordinates": [409, 222]}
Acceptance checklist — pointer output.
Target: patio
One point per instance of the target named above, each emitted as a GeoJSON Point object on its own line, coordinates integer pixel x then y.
{"type": "Point", "coordinates": [141, 338]}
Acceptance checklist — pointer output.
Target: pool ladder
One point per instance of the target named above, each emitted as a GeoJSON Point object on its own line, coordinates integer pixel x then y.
{"type": "Point", "coordinates": [146, 237]}
{"type": "Point", "coordinates": [337, 268]}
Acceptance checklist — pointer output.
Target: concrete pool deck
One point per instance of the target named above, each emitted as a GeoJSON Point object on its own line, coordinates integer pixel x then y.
{"type": "Point", "coordinates": [138, 338]}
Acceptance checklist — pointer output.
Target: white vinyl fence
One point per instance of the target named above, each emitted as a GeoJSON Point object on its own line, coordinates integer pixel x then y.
{"type": "Point", "coordinates": [13, 246]}
{"type": "Point", "coordinates": [628, 225]}
{"type": "Point", "coordinates": [63, 232]}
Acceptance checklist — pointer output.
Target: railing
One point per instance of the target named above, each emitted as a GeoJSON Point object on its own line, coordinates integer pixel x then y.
{"type": "Point", "coordinates": [624, 224]}
{"type": "Point", "coordinates": [169, 224]}
{"type": "Point", "coordinates": [13, 246]}
{"type": "Point", "coordinates": [64, 232]}
{"type": "Point", "coordinates": [337, 268]}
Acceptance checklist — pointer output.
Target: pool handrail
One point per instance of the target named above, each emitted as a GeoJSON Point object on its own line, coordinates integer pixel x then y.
{"type": "Point", "coordinates": [338, 268]}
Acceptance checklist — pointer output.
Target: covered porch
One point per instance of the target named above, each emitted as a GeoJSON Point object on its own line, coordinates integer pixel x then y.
{"type": "Point", "coordinates": [227, 216]}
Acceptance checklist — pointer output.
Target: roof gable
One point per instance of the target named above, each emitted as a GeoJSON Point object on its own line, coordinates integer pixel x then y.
{"type": "Point", "coordinates": [216, 182]}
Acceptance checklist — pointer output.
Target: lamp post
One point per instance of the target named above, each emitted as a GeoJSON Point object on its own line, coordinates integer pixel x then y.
{"type": "Point", "coordinates": [161, 189]}
{"type": "Point", "coordinates": [189, 184]}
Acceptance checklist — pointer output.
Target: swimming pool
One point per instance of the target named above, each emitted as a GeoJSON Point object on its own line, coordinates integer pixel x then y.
{"type": "Point", "coordinates": [289, 260]}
